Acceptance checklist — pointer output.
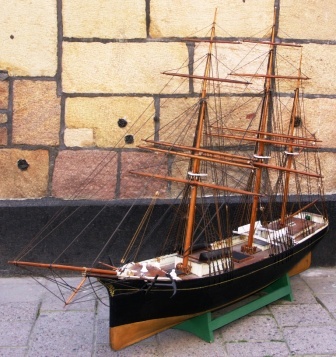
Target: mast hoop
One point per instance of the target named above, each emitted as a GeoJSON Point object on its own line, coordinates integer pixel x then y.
{"type": "Point", "coordinates": [194, 174]}
{"type": "Point", "coordinates": [291, 153]}
{"type": "Point", "coordinates": [261, 157]}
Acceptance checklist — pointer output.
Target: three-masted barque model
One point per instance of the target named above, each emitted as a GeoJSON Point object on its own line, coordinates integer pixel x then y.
{"type": "Point", "coordinates": [249, 204]}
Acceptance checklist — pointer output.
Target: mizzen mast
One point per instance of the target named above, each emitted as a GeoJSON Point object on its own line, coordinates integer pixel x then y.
{"type": "Point", "coordinates": [289, 152]}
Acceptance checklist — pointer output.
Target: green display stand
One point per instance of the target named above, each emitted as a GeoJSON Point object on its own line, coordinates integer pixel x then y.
{"type": "Point", "coordinates": [203, 325]}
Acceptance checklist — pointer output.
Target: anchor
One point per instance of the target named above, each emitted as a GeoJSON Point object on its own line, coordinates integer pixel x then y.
{"type": "Point", "coordinates": [172, 284]}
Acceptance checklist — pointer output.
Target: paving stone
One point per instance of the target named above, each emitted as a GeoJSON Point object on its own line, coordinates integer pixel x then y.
{"type": "Point", "coordinates": [173, 340]}
{"type": "Point", "coordinates": [322, 285]}
{"type": "Point", "coordinates": [327, 300]}
{"type": "Point", "coordinates": [105, 350]}
{"type": "Point", "coordinates": [19, 290]}
{"type": "Point", "coordinates": [103, 328]}
{"type": "Point", "coordinates": [103, 309]}
{"type": "Point", "coordinates": [257, 349]}
{"type": "Point", "coordinates": [81, 302]}
{"type": "Point", "coordinates": [19, 311]}
{"type": "Point", "coordinates": [302, 315]}
{"type": "Point", "coordinates": [319, 272]}
{"type": "Point", "coordinates": [63, 334]}
{"type": "Point", "coordinates": [52, 303]}
{"type": "Point", "coordinates": [13, 351]}
{"type": "Point", "coordinates": [252, 328]}
{"type": "Point", "coordinates": [311, 340]}
{"type": "Point", "coordinates": [301, 292]}
{"type": "Point", "coordinates": [15, 333]}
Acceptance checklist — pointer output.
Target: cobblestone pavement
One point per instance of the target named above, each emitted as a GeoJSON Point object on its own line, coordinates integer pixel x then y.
{"type": "Point", "coordinates": [34, 324]}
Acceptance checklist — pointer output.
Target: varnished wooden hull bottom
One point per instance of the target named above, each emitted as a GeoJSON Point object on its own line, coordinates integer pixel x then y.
{"type": "Point", "coordinates": [302, 265]}
{"type": "Point", "coordinates": [125, 335]}
{"type": "Point", "coordinates": [138, 312]}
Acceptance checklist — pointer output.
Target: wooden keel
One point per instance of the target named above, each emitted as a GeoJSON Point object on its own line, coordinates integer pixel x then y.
{"type": "Point", "coordinates": [128, 334]}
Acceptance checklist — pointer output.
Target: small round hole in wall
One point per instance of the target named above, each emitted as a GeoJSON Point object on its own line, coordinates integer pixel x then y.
{"type": "Point", "coordinates": [122, 123]}
{"type": "Point", "coordinates": [297, 122]}
{"type": "Point", "coordinates": [22, 164]}
{"type": "Point", "coordinates": [129, 139]}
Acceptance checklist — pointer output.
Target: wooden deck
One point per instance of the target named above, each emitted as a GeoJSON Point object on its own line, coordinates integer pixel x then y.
{"type": "Point", "coordinates": [298, 228]}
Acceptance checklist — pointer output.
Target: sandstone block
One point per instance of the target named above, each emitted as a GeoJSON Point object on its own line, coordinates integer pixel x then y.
{"type": "Point", "coordinates": [121, 67]}
{"type": "Point", "coordinates": [234, 58]}
{"type": "Point", "coordinates": [236, 18]}
{"type": "Point", "coordinates": [239, 112]}
{"type": "Point", "coordinates": [36, 113]}
{"type": "Point", "coordinates": [328, 171]}
{"type": "Point", "coordinates": [3, 135]}
{"type": "Point", "coordinates": [104, 19]}
{"type": "Point", "coordinates": [182, 126]}
{"type": "Point", "coordinates": [307, 19]}
{"type": "Point", "coordinates": [317, 63]}
{"type": "Point", "coordinates": [85, 174]}
{"type": "Point", "coordinates": [29, 183]}
{"type": "Point", "coordinates": [3, 94]}
{"type": "Point", "coordinates": [28, 37]}
{"type": "Point", "coordinates": [78, 137]}
{"type": "Point", "coordinates": [3, 118]}
{"type": "Point", "coordinates": [101, 116]}
{"type": "Point", "coordinates": [135, 186]}
{"type": "Point", "coordinates": [320, 115]}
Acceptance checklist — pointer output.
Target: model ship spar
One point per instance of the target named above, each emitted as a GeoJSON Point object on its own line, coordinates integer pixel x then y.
{"type": "Point", "coordinates": [249, 203]}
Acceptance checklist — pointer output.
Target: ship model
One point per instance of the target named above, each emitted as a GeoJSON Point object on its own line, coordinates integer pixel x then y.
{"type": "Point", "coordinates": [249, 204]}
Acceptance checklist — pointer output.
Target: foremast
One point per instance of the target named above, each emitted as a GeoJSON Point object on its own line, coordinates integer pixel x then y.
{"type": "Point", "coordinates": [196, 162]}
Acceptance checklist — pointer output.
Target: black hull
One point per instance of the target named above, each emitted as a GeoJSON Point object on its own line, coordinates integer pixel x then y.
{"type": "Point", "coordinates": [131, 301]}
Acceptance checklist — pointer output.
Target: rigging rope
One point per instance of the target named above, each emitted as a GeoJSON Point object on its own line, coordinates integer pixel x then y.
{"type": "Point", "coordinates": [143, 223]}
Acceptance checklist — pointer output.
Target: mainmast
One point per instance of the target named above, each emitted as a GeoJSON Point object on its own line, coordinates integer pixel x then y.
{"type": "Point", "coordinates": [260, 152]}
{"type": "Point", "coordinates": [195, 168]}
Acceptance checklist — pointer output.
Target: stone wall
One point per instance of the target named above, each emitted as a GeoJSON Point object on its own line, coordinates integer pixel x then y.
{"type": "Point", "coordinates": [69, 69]}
